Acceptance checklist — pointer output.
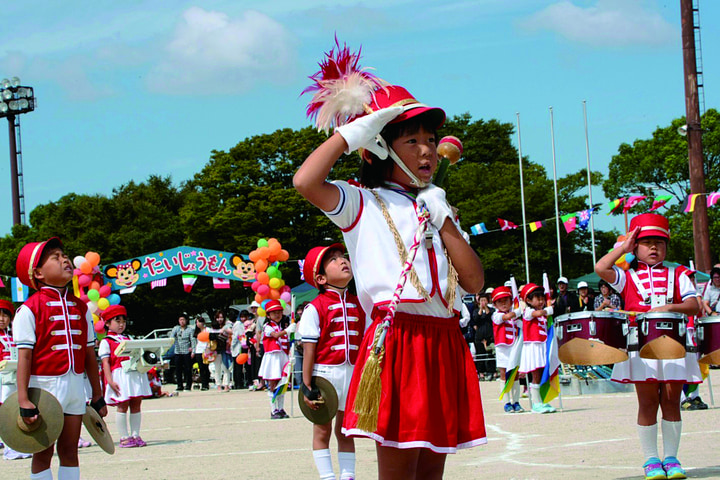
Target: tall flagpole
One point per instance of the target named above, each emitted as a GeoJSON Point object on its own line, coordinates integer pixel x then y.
{"type": "Point", "coordinates": [557, 210]}
{"type": "Point", "coordinates": [522, 198]}
{"type": "Point", "coordinates": [587, 155]}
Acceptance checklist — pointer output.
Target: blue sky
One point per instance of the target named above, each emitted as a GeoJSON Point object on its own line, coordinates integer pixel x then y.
{"type": "Point", "coordinates": [134, 88]}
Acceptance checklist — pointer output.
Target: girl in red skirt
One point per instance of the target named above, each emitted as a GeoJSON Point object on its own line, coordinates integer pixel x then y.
{"type": "Point", "coordinates": [429, 403]}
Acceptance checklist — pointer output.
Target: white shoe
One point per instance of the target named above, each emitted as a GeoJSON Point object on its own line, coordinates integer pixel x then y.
{"type": "Point", "coordinates": [10, 454]}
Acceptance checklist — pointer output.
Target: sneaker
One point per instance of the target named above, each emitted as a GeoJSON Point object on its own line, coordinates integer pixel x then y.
{"type": "Point", "coordinates": [10, 454]}
{"type": "Point", "coordinates": [139, 442]}
{"type": "Point", "coordinates": [508, 408]}
{"type": "Point", "coordinates": [539, 408]}
{"type": "Point", "coordinates": [548, 408]}
{"type": "Point", "coordinates": [83, 443]}
{"type": "Point", "coordinates": [687, 404]}
{"type": "Point", "coordinates": [654, 469]}
{"type": "Point", "coordinates": [699, 404]}
{"type": "Point", "coordinates": [127, 442]}
{"type": "Point", "coordinates": [517, 408]}
{"type": "Point", "coordinates": [275, 415]}
{"type": "Point", "coordinates": [284, 413]}
{"type": "Point", "coordinates": [672, 468]}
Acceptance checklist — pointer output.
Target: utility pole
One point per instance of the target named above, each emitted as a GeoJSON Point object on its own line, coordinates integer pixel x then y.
{"type": "Point", "coordinates": [701, 235]}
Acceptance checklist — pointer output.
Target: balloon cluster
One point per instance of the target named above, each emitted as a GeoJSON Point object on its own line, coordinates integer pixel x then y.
{"type": "Point", "coordinates": [89, 287]}
{"type": "Point", "coordinates": [268, 284]}
{"type": "Point", "coordinates": [627, 258]}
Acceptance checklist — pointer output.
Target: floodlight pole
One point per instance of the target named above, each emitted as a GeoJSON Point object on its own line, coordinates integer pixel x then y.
{"type": "Point", "coordinates": [14, 180]}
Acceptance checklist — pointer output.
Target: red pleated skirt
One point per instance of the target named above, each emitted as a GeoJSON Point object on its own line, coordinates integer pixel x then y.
{"type": "Point", "coordinates": [430, 390]}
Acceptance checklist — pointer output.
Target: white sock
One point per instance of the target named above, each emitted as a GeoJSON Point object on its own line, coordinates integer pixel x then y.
{"type": "Point", "coordinates": [44, 475]}
{"type": "Point", "coordinates": [323, 462]}
{"type": "Point", "coordinates": [280, 402]}
{"type": "Point", "coordinates": [534, 392]}
{"type": "Point", "coordinates": [648, 440]}
{"type": "Point", "coordinates": [506, 398]}
{"type": "Point", "coordinates": [68, 473]}
{"type": "Point", "coordinates": [273, 403]}
{"type": "Point", "coordinates": [347, 465]}
{"type": "Point", "coordinates": [671, 437]}
{"type": "Point", "coordinates": [515, 392]}
{"type": "Point", "coordinates": [135, 421]}
{"type": "Point", "coordinates": [121, 423]}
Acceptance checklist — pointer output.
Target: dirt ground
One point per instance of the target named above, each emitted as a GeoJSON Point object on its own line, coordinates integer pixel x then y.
{"type": "Point", "coordinates": [214, 435]}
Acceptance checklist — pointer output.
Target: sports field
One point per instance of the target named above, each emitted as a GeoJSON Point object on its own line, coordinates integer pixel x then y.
{"type": "Point", "coordinates": [213, 435]}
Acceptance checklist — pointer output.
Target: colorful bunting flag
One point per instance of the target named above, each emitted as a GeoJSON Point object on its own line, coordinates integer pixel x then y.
{"type": "Point", "coordinates": [188, 282]}
{"type": "Point", "coordinates": [712, 199]}
{"type": "Point", "coordinates": [660, 201]}
{"type": "Point", "coordinates": [616, 206]}
{"type": "Point", "coordinates": [506, 224]}
{"type": "Point", "coordinates": [301, 264]}
{"type": "Point", "coordinates": [221, 282]}
{"type": "Point", "coordinates": [584, 218]}
{"type": "Point", "coordinates": [535, 226]}
{"type": "Point", "coordinates": [478, 229]}
{"type": "Point", "coordinates": [632, 201]}
{"type": "Point", "coordinates": [2, 285]}
{"type": "Point", "coordinates": [20, 292]}
{"type": "Point", "coordinates": [569, 221]}
{"type": "Point", "coordinates": [158, 283]}
{"type": "Point", "coordinates": [689, 202]}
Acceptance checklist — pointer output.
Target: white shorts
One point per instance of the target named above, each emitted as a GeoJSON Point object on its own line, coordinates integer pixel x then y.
{"type": "Point", "coordinates": [533, 356]}
{"type": "Point", "coordinates": [502, 354]}
{"type": "Point", "coordinates": [339, 376]}
{"type": "Point", "coordinates": [69, 389]}
{"type": "Point", "coordinates": [6, 390]}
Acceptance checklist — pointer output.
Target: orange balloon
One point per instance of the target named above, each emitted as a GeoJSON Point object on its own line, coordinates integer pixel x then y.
{"type": "Point", "coordinates": [242, 358]}
{"type": "Point", "coordinates": [254, 257]}
{"type": "Point", "coordinates": [93, 258]}
{"type": "Point", "coordinates": [203, 336]}
{"type": "Point", "coordinates": [95, 285]}
{"type": "Point", "coordinates": [283, 256]}
{"type": "Point", "coordinates": [263, 252]}
{"type": "Point", "coordinates": [259, 298]}
{"type": "Point", "coordinates": [261, 265]}
{"type": "Point", "coordinates": [263, 278]}
{"type": "Point", "coordinates": [621, 238]}
{"type": "Point", "coordinates": [274, 248]}
{"type": "Point", "coordinates": [274, 294]}
{"type": "Point", "coordinates": [86, 268]}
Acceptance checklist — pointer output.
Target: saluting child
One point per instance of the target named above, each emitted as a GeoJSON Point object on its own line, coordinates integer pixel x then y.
{"type": "Point", "coordinates": [54, 334]}
{"type": "Point", "coordinates": [275, 343]}
{"type": "Point", "coordinates": [124, 388]}
{"type": "Point", "coordinates": [506, 323]}
{"type": "Point", "coordinates": [332, 327]}
{"type": "Point", "coordinates": [650, 286]}
{"type": "Point", "coordinates": [7, 379]}
{"type": "Point", "coordinates": [533, 359]}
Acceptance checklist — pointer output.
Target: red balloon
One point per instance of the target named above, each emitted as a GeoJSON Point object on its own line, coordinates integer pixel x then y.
{"type": "Point", "coordinates": [242, 358]}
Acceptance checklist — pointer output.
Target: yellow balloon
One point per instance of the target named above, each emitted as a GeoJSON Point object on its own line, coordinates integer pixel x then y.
{"type": "Point", "coordinates": [103, 303]}
{"type": "Point", "coordinates": [261, 312]}
{"type": "Point", "coordinates": [95, 318]}
{"type": "Point", "coordinates": [275, 283]}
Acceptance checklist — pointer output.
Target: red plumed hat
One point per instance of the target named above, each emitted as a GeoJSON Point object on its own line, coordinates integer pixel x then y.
{"type": "Point", "coordinates": [313, 261]}
{"type": "Point", "coordinates": [501, 292]}
{"type": "Point", "coordinates": [113, 311]}
{"type": "Point", "coordinates": [528, 289]}
{"type": "Point", "coordinates": [651, 225]}
{"type": "Point", "coordinates": [272, 306]}
{"type": "Point", "coordinates": [29, 257]}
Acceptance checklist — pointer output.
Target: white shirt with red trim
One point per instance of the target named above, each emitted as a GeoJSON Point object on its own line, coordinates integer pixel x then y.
{"type": "Point", "coordinates": [374, 254]}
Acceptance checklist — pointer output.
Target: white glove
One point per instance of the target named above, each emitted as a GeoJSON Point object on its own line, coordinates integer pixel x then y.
{"type": "Point", "coordinates": [361, 133]}
{"type": "Point", "coordinates": [291, 328]}
{"type": "Point", "coordinates": [434, 199]}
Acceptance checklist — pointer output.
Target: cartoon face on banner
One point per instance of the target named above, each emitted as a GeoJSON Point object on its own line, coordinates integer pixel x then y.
{"type": "Point", "coordinates": [125, 274]}
{"type": "Point", "coordinates": [245, 271]}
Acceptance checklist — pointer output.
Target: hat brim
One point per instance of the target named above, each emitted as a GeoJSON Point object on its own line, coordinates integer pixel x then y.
{"type": "Point", "coordinates": [328, 409]}
{"type": "Point", "coordinates": [97, 428]}
{"type": "Point", "coordinates": [319, 259]}
{"type": "Point", "coordinates": [436, 115]}
{"type": "Point", "coordinates": [46, 429]}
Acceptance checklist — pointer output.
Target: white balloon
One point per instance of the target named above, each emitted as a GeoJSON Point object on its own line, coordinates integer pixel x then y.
{"type": "Point", "coordinates": [79, 260]}
{"type": "Point", "coordinates": [92, 306]}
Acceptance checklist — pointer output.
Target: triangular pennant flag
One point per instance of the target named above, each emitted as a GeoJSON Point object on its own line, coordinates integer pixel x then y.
{"type": "Point", "coordinates": [478, 229]}
{"type": "Point", "coordinates": [1, 283]}
{"type": "Point", "coordinates": [616, 205]}
{"type": "Point", "coordinates": [506, 225]}
{"type": "Point", "coordinates": [689, 202]}
{"type": "Point", "coordinates": [535, 226]}
{"type": "Point", "coordinates": [584, 218]}
{"type": "Point", "coordinates": [632, 201]}
{"type": "Point", "coordinates": [660, 201]}
{"type": "Point", "coordinates": [221, 282]}
{"type": "Point", "coordinates": [569, 221]}
{"type": "Point", "coordinates": [301, 264]}
{"type": "Point", "coordinates": [158, 283]}
{"type": "Point", "coordinates": [712, 199]}
{"type": "Point", "coordinates": [20, 292]}
{"type": "Point", "coordinates": [188, 282]}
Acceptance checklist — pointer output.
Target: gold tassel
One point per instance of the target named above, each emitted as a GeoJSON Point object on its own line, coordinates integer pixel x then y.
{"type": "Point", "coordinates": [367, 399]}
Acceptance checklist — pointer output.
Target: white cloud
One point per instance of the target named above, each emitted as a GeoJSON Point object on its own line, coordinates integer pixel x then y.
{"type": "Point", "coordinates": [615, 23]}
{"type": "Point", "coordinates": [211, 51]}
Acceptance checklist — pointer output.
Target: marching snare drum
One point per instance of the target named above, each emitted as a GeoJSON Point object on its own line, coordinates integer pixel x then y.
{"type": "Point", "coordinates": [592, 338]}
{"type": "Point", "coordinates": [662, 335]}
{"type": "Point", "coordinates": [707, 330]}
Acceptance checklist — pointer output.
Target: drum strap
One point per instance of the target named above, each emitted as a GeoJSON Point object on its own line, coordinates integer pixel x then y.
{"type": "Point", "coordinates": [645, 294]}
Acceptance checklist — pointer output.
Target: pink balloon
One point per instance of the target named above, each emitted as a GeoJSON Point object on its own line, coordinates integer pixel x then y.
{"type": "Point", "coordinates": [263, 289]}
{"type": "Point", "coordinates": [84, 280]}
{"type": "Point", "coordinates": [254, 286]}
{"type": "Point", "coordinates": [287, 296]}
{"type": "Point", "coordinates": [99, 326]}
{"type": "Point", "coordinates": [285, 288]}
{"type": "Point", "coordinates": [84, 298]}
{"type": "Point", "coordinates": [105, 290]}
{"type": "Point", "coordinates": [77, 272]}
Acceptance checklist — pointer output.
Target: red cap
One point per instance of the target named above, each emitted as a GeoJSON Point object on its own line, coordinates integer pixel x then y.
{"type": "Point", "coordinates": [396, 96]}
{"type": "Point", "coordinates": [651, 225]}
{"type": "Point", "coordinates": [7, 305]}
{"type": "Point", "coordinates": [29, 257]}
{"type": "Point", "coordinates": [272, 306]}
{"type": "Point", "coordinates": [313, 261]}
{"type": "Point", "coordinates": [113, 311]}
{"type": "Point", "coordinates": [528, 289]}
{"type": "Point", "coordinates": [501, 292]}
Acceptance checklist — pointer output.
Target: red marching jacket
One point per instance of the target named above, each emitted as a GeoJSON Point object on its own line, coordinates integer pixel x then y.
{"type": "Point", "coordinates": [271, 344]}
{"type": "Point", "coordinates": [534, 330]}
{"type": "Point", "coordinates": [113, 341]}
{"type": "Point", "coordinates": [6, 342]}
{"type": "Point", "coordinates": [506, 332]}
{"type": "Point", "coordinates": [61, 332]}
{"type": "Point", "coordinates": [342, 325]}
